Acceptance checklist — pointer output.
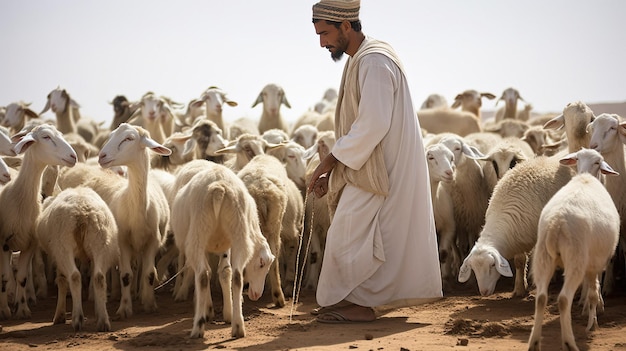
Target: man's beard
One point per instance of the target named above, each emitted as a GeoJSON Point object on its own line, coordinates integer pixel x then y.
{"type": "Point", "coordinates": [342, 45]}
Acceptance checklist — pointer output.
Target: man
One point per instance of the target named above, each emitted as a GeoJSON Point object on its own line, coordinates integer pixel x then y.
{"type": "Point", "coordinates": [381, 247]}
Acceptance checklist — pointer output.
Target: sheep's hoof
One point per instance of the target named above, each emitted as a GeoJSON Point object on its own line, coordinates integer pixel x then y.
{"type": "Point", "coordinates": [22, 312]}
{"type": "Point", "coordinates": [238, 331]}
{"type": "Point", "coordinates": [103, 325]}
{"type": "Point", "coordinates": [5, 313]}
{"type": "Point", "coordinates": [60, 319]}
{"type": "Point", "coordinates": [77, 323]}
{"type": "Point", "coordinates": [123, 313]}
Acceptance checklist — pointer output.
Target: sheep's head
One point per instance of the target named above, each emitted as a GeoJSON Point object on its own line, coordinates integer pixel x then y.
{"type": "Point", "coordinates": [510, 97]}
{"type": "Point", "coordinates": [441, 165]}
{"type": "Point", "coordinates": [256, 270]}
{"type": "Point", "coordinates": [305, 135]}
{"type": "Point", "coordinates": [214, 98]}
{"type": "Point", "coordinates": [471, 100]}
{"type": "Point", "coordinates": [126, 144]}
{"type": "Point", "coordinates": [604, 134]}
{"type": "Point", "coordinates": [272, 96]}
{"type": "Point", "coordinates": [488, 265]}
{"type": "Point", "coordinates": [59, 101]}
{"type": "Point", "coordinates": [52, 149]}
{"type": "Point", "coordinates": [16, 113]}
{"type": "Point", "coordinates": [588, 161]}
{"type": "Point", "coordinates": [208, 136]}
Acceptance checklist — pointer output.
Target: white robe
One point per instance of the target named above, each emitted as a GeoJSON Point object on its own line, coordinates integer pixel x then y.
{"type": "Point", "coordinates": [382, 251]}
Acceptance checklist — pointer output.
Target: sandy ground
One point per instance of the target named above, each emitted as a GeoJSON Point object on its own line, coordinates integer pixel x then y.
{"type": "Point", "coordinates": [460, 321]}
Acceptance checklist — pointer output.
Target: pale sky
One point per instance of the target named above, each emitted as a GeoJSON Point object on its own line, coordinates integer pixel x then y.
{"type": "Point", "coordinates": [553, 52]}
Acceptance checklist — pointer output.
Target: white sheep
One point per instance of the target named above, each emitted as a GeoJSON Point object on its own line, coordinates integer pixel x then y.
{"type": "Point", "coordinates": [607, 140]}
{"type": "Point", "coordinates": [245, 147]}
{"type": "Point", "coordinates": [241, 126]}
{"type": "Point", "coordinates": [155, 114]}
{"type": "Point", "coordinates": [543, 141]}
{"type": "Point", "coordinates": [441, 168]}
{"type": "Point", "coordinates": [471, 100]}
{"type": "Point", "coordinates": [468, 190]}
{"type": "Point", "coordinates": [272, 96]}
{"type": "Point", "coordinates": [214, 99]}
{"type": "Point", "coordinates": [140, 208]}
{"type": "Point", "coordinates": [74, 225]}
{"type": "Point", "coordinates": [578, 231]}
{"type": "Point", "coordinates": [510, 96]}
{"type": "Point", "coordinates": [434, 101]}
{"type": "Point", "coordinates": [42, 146]}
{"type": "Point", "coordinates": [17, 114]}
{"type": "Point", "coordinates": [280, 208]}
{"type": "Point", "coordinates": [215, 213]}
{"type": "Point", "coordinates": [502, 157]}
{"type": "Point", "coordinates": [440, 120]}
{"type": "Point", "coordinates": [507, 127]}
{"type": "Point", "coordinates": [305, 135]}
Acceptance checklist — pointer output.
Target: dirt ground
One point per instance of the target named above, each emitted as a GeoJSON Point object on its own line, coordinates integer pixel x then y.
{"type": "Point", "coordinates": [459, 321]}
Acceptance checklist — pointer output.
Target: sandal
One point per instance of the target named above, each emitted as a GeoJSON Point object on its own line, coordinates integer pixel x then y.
{"type": "Point", "coordinates": [342, 315]}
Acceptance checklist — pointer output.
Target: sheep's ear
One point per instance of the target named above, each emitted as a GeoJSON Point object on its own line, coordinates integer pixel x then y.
{"type": "Point", "coordinates": [30, 113]}
{"type": "Point", "coordinates": [457, 101]}
{"type": "Point", "coordinates": [569, 160]}
{"type": "Point", "coordinates": [270, 146]}
{"type": "Point", "coordinates": [605, 168]}
{"type": "Point", "coordinates": [502, 266]}
{"type": "Point", "coordinates": [154, 146]}
{"type": "Point", "coordinates": [190, 144]}
{"type": "Point", "coordinates": [285, 102]}
{"type": "Point", "coordinates": [24, 143]}
{"type": "Point", "coordinates": [465, 271]}
{"type": "Point", "coordinates": [310, 152]}
{"type": "Point", "coordinates": [489, 96]}
{"type": "Point", "coordinates": [259, 99]}
{"type": "Point", "coordinates": [230, 102]}
{"type": "Point", "coordinates": [227, 150]}
{"type": "Point", "coordinates": [622, 132]}
{"type": "Point", "coordinates": [472, 152]}
{"type": "Point", "coordinates": [555, 123]}
{"type": "Point", "coordinates": [46, 107]}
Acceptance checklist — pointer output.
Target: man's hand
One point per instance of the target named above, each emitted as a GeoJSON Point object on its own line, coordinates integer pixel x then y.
{"type": "Point", "coordinates": [320, 187]}
{"type": "Point", "coordinates": [322, 171]}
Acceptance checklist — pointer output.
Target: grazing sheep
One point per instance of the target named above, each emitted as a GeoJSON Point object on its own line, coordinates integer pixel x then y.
{"type": "Point", "coordinates": [578, 231]}
{"type": "Point", "coordinates": [441, 168]}
{"type": "Point", "coordinates": [280, 208]}
{"type": "Point", "coordinates": [213, 212]}
{"type": "Point", "coordinates": [511, 219]}
{"type": "Point", "coordinates": [607, 140]}
{"type": "Point", "coordinates": [272, 97]}
{"type": "Point", "coordinates": [21, 200]}
{"type": "Point", "coordinates": [140, 208]}
{"type": "Point", "coordinates": [78, 224]}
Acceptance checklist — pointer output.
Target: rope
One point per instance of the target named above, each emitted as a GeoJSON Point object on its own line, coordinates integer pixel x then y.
{"type": "Point", "coordinates": [298, 278]}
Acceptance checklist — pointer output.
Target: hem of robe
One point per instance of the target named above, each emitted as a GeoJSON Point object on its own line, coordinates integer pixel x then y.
{"type": "Point", "coordinates": [389, 307]}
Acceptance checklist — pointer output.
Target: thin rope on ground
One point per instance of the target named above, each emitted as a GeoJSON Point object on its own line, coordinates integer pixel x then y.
{"type": "Point", "coordinates": [298, 278]}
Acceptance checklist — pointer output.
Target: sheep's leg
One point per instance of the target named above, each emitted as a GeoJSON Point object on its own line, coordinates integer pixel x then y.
{"type": "Point", "coordinates": [126, 275]}
{"type": "Point", "coordinates": [608, 282]}
{"type": "Point", "coordinates": [115, 289]}
{"type": "Point", "coordinates": [23, 265]}
{"type": "Point", "coordinates": [315, 261]}
{"type": "Point", "coordinates": [521, 284]}
{"type": "Point", "coordinates": [76, 289]}
{"type": "Point", "coordinates": [148, 278]}
{"type": "Point", "coordinates": [592, 300]}
{"type": "Point", "coordinates": [183, 280]}
{"type": "Point", "coordinates": [573, 278]}
{"type": "Point", "coordinates": [290, 254]}
{"type": "Point", "coordinates": [164, 262]}
{"type": "Point", "coordinates": [238, 328]}
{"type": "Point", "coordinates": [100, 298]}
{"type": "Point", "coordinates": [274, 276]}
{"type": "Point", "coordinates": [59, 313]}
{"type": "Point", "coordinates": [40, 282]}
{"type": "Point", "coordinates": [543, 269]}
{"type": "Point", "coordinates": [225, 276]}
{"type": "Point", "coordinates": [204, 305]}
{"type": "Point", "coordinates": [6, 276]}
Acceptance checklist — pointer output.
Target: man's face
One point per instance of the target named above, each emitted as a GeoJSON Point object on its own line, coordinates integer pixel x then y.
{"type": "Point", "coordinates": [332, 38]}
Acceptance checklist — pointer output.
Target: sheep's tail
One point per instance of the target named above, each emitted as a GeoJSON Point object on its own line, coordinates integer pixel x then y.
{"type": "Point", "coordinates": [217, 193]}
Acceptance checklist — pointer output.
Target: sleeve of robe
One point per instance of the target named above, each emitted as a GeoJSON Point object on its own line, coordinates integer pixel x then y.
{"type": "Point", "coordinates": [377, 85]}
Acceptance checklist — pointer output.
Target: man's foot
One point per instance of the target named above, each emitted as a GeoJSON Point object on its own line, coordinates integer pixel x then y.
{"type": "Point", "coordinates": [347, 314]}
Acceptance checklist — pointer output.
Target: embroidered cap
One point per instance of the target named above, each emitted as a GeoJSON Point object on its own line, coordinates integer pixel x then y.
{"type": "Point", "coordinates": [337, 10]}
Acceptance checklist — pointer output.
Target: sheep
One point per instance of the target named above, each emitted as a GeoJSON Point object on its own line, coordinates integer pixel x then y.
{"type": "Point", "coordinates": [510, 97]}
{"type": "Point", "coordinates": [241, 126]}
{"type": "Point", "coordinates": [78, 224]}
{"type": "Point", "coordinates": [507, 128]}
{"type": "Point", "coordinates": [434, 101]}
{"type": "Point", "coordinates": [65, 109]}
{"type": "Point", "coordinates": [309, 117]}
{"type": "Point", "coordinates": [440, 120]}
{"type": "Point", "coordinates": [140, 208]}
{"type": "Point", "coordinates": [578, 231]}
{"type": "Point", "coordinates": [280, 208]}
{"type": "Point", "coordinates": [441, 168]}
{"type": "Point", "coordinates": [471, 101]}
{"type": "Point", "coordinates": [16, 115]}
{"type": "Point", "coordinates": [122, 111]}
{"type": "Point", "coordinates": [468, 191]}
{"type": "Point", "coordinates": [214, 99]}
{"type": "Point", "coordinates": [272, 97]}
{"type": "Point", "coordinates": [607, 140]}
{"type": "Point", "coordinates": [542, 141]}
{"type": "Point", "coordinates": [215, 213]}
{"type": "Point", "coordinates": [510, 229]}
{"type": "Point", "coordinates": [42, 146]}
{"type": "Point", "coordinates": [502, 157]}
{"type": "Point", "coordinates": [316, 211]}
{"type": "Point", "coordinates": [155, 114]}
{"type": "Point", "coordinates": [328, 101]}
{"type": "Point", "coordinates": [245, 148]}
{"type": "Point", "coordinates": [305, 135]}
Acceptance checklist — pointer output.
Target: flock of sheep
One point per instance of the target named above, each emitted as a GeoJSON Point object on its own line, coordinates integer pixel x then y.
{"type": "Point", "coordinates": [172, 191]}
